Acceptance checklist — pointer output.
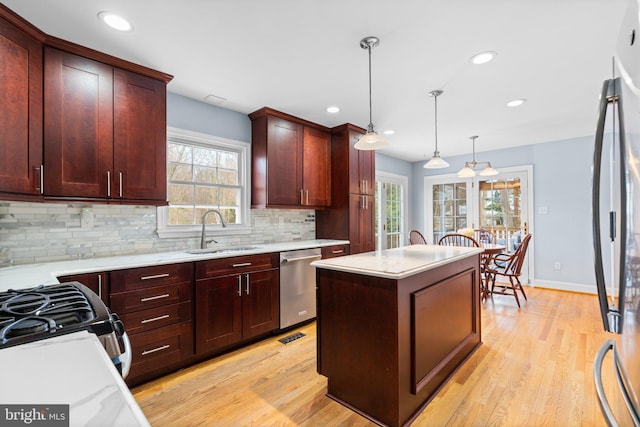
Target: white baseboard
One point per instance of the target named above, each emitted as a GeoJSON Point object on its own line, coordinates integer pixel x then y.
{"type": "Point", "coordinates": [566, 286]}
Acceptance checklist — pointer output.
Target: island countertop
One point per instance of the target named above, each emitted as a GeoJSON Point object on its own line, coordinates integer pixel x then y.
{"type": "Point", "coordinates": [398, 263]}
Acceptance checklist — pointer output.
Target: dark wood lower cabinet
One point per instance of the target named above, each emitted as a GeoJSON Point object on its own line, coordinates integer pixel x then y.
{"type": "Point", "coordinates": [97, 282]}
{"type": "Point", "coordinates": [235, 308]}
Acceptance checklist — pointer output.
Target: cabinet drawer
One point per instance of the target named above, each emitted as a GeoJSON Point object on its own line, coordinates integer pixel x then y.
{"type": "Point", "coordinates": [334, 251]}
{"type": "Point", "coordinates": [141, 321]}
{"type": "Point", "coordinates": [240, 264]}
{"type": "Point", "coordinates": [144, 277]}
{"type": "Point", "coordinates": [157, 351]}
{"type": "Point", "coordinates": [127, 302]}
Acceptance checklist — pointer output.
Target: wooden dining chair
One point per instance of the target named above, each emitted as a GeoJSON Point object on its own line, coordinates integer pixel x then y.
{"type": "Point", "coordinates": [455, 239]}
{"type": "Point", "coordinates": [484, 236]}
{"type": "Point", "coordinates": [508, 266]}
{"type": "Point", "coordinates": [416, 238]}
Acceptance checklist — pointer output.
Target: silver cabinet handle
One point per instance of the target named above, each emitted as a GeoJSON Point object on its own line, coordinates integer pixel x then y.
{"type": "Point", "coordinates": [154, 298]}
{"type": "Point", "coordinates": [100, 285]}
{"type": "Point", "coordinates": [108, 183]}
{"type": "Point", "coordinates": [307, 192]}
{"type": "Point", "coordinates": [240, 285]}
{"type": "Point", "coordinates": [302, 196]}
{"type": "Point", "coordinates": [242, 264]}
{"type": "Point", "coordinates": [41, 189]}
{"type": "Point", "coordinates": [247, 284]}
{"type": "Point", "coordinates": [154, 319]}
{"type": "Point", "coordinates": [164, 347]}
{"type": "Point", "coordinates": [155, 276]}
{"type": "Point", "coordinates": [120, 176]}
{"type": "Point", "coordinates": [338, 252]}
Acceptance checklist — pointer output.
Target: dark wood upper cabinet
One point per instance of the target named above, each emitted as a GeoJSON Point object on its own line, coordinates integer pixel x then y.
{"type": "Point", "coordinates": [291, 161]}
{"type": "Point", "coordinates": [140, 137]}
{"type": "Point", "coordinates": [78, 99]}
{"type": "Point", "coordinates": [21, 112]}
{"type": "Point", "coordinates": [105, 131]}
{"type": "Point", "coordinates": [78, 124]}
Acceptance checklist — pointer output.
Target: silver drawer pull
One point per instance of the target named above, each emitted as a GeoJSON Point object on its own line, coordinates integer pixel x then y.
{"type": "Point", "coordinates": [164, 347]}
{"type": "Point", "coordinates": [154, 319]}
{"type": "Point", "coordinates": [155, 276]}
{"type": "Point", "coordinates": [338, 252]}
{"type": "Point", "coordinates": [242, 264]}
{"type": "Point", "coordinates": [155, 297]}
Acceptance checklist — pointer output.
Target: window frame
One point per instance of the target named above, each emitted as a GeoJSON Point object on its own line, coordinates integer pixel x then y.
{"type": "Point", "coordinates": [244, 176]}
{"type": "Point", "coordinates": [403, 181]}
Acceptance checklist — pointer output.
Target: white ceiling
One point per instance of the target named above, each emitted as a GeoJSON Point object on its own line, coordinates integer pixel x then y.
{"type": "Point", "coordinates": [300, 56]}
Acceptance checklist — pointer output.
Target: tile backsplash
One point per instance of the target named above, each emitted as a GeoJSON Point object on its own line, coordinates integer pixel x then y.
{"type": "Point", "coordinates": [45, 232]}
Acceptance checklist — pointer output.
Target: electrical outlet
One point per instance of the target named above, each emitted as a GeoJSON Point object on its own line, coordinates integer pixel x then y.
{"type": "Point", "coordinates": [86, 218]}
{"type": "Point", "coordinates": [557, 265]}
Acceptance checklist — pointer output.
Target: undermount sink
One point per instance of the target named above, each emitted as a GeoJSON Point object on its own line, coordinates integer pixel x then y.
{"type": "Point", "coordinates": [227, 250]}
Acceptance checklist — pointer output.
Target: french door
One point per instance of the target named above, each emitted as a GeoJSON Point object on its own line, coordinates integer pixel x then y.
{"type": "Point", "coordinates": [391, 208]}
{"type": "Point", "coordinates": [500, 203]}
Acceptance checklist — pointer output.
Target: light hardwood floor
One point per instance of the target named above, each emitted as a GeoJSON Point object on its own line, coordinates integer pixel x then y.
{"type": "Point", "coordinates": [534, 368]}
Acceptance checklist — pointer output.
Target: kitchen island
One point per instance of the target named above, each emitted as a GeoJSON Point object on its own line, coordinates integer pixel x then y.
{"type": "Point", "coordinates": [394, 325]}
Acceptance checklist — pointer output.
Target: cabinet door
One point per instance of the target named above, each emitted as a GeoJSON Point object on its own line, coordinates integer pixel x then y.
{"type": "Point", "coordinates": [284, 162]}
{"type": "Point", "coordinates": [218, 312]}
{"type": "Point", "coordinates": [361, 223]}
{"type": "Point", "coordinates": [97, 282]}
{"type": "Point", "coordinates": [260, 303]}
{"type": "Point", "coordinates": [362, 174]}
{"type": "Point", "coordinates": [316, 180]}
{"type": "Point", "coordinates": [367, 172]}
{"type": "Point", "coordinates": [21, 118]}
{"type": "Point", "coordinates": [140, 139]}
{"type": "Point", "coordinates": [78, 98]}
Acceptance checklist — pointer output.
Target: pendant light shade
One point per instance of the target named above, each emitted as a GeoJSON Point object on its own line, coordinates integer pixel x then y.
{"type": "Point", "coordinates": [436, 161]}
{"type": "Point", "coordinates": [469, 169]}
{"type": "Point", "coordinates": [371, 140]}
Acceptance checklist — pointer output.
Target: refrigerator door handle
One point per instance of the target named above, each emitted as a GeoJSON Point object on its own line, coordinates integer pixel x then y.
{"type": "Point", "coordinates": [597, 378]}
{"type": "Point", "coordinates": [595, 206]}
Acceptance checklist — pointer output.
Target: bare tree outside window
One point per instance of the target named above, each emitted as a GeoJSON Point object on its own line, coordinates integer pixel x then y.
{"type": "Point", "coordinates": [201, 178]}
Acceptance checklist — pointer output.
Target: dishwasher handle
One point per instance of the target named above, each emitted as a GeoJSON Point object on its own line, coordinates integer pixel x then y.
{"type": "Point", "coordinates": [301, 258]}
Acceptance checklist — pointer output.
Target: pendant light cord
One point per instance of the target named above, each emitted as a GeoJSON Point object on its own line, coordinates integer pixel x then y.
{"type": "Point", "coordinates": [435, 99]}
{"type": "Point", "coordinates": [370, 127]}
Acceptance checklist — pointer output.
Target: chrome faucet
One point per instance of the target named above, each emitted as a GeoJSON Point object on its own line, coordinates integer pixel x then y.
{"type": "Point", "coordinates": [203, 239]}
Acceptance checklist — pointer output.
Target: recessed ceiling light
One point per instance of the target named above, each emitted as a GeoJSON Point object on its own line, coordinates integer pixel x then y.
{"type": "Point", "coordinates": [333, 109]}
{"type": "Point", "coordinates": [516, 102]}
{"type": "Point", "coordinates": [115, 21]}
{"type": "Point", "coordinates": [483, 57]}
{"type": "Point", "coordinates": [389, 132]}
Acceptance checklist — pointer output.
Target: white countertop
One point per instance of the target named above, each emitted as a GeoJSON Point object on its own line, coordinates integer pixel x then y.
{"type": "Point", "coordinates": [30, 275]}
{"type": "Point", "coordinates": [398, 263]}
{"type": "Point", "coordinates": [71, 369]}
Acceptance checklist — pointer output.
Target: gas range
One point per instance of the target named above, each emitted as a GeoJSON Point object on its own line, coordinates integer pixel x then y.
{"type": "Point", "coordinates": [43, 312]}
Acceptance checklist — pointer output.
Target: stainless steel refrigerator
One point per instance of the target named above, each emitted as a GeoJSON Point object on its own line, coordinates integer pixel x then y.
{"type": "Point", "coordinates": [616, 226]}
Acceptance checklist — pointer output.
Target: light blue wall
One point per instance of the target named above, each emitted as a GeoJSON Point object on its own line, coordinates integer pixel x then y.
{"type": "Point", "coordinates": [562, 184]}
{"type": "Point", "coordinates": [187, 113]}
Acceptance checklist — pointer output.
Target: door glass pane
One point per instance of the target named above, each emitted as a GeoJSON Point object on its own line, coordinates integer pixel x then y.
{"type": "Point", "coordinates": [449, 208]}
{"type": "Point", "coordinates": [394, 214]}
{"type": "Point", "coordinates": [500, 210]}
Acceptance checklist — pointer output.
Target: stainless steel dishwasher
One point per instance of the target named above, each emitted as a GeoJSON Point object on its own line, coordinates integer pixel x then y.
{"type": "Point", "coordinates": [297, 286]}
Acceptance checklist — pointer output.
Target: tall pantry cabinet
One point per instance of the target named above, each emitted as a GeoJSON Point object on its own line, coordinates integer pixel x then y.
{"type": "Point", "coordinates": [352, 212]}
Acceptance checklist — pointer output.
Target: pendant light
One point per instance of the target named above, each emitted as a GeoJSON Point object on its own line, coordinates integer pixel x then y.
{"type": "Point", "coordinates": [436, 161]}
{"type": "Point", "coordinates": [371, 140]}
{"type": "Point", "coordinates": [468, 171]}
